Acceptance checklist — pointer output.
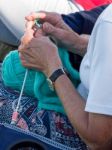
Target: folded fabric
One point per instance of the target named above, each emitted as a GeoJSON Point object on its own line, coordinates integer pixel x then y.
{"type": "Point", "coordinates": [36, 85]}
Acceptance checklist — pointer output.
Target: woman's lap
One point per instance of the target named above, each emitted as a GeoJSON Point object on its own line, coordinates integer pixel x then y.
{"type": "Point", "coordinates": [46, 123]}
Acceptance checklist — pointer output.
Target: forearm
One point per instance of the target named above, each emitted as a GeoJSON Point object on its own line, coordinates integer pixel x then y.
{"type": "Point", "coordinates": [88, 125]}
{"type": "Point", "coordinates": [83, 22]}
{"type": "Point", "coordinates": [78, 44]}
{"type": "Point", "coordinates": [73, 103]}
{"type": "Point", "coordinates": [83, 44]}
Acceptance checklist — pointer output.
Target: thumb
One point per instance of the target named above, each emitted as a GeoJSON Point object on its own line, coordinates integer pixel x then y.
{"type": "Point", "coordinates": [29, 24]}
{"type": "Point", "coordinates": [53, 31]}
{"type": "Point", "coordinates": [48, 28]}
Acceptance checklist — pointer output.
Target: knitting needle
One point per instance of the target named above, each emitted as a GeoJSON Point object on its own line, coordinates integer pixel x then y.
{"type": "Point", "coordinates": [16, 113]}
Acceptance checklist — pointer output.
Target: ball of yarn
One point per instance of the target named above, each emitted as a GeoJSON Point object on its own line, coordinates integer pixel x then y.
{"type": "Point", "coordinates": [36, 85]}
{"type": "Point", "coordinates": [13, 74]}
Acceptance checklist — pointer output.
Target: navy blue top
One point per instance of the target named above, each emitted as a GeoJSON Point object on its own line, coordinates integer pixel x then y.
{"type": "Point", "coordinates": [82, 22]}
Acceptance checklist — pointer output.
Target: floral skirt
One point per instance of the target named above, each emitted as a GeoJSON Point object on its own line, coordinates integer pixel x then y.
{"type": "Point", "coordinates": [45, 123]}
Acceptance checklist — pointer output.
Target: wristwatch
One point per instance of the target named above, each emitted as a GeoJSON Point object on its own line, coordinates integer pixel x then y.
{"type": "Point", "coordinates": [55, 75]}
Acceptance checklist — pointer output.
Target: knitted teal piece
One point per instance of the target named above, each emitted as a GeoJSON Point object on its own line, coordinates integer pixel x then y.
{"type": "Point", "coordinates": [36, 85]}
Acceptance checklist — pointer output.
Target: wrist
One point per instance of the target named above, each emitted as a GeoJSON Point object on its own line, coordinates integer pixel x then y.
{"type": "Point", "coordinates": [49, 72]}
{"type": "Point", "coordinates": [52, 67]}
{"type": "Point", "coordinates": [73, 42]}
{"type": "Point", "coordinates": [54, 76]}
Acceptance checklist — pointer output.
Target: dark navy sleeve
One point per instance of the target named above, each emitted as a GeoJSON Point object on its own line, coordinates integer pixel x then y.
{"type": "Point", "coordinates": [83, 22]}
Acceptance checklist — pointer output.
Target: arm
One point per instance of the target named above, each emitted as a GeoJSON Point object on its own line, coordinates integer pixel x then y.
{"type": "Point", "coordinates": [53, 25]}
{"type": "Point", "coordinates": [80, 22]}
{"type": "Point", "coordinates": [94, 128]}
{"type": "Point", "coordinates": [83, 22]}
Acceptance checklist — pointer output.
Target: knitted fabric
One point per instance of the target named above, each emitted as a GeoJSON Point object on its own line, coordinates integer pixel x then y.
{"type": "Point", "coordinates": [36, 85]}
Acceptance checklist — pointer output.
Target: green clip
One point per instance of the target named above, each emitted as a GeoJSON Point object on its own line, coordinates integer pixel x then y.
{"type": "Point", "coordinates": [37, 23]}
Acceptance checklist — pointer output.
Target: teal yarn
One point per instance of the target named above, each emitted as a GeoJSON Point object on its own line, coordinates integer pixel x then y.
{"type": "Point", "coordinates": [13, 74]}
{"type": "Point", "coordinates": [36, 85]}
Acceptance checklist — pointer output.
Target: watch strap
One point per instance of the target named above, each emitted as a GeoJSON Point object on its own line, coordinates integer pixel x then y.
{"type": "Point", "coordinates": [54, 76]}
{"type": "Point", "coordinates": [57, 73]}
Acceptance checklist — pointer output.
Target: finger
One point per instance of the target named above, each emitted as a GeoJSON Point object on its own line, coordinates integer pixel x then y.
{"type": "Point", "coordinates": [53, 31]}
{"type": "Point", "coordinates": [49, 28]}
{"type": "Point", "coordinates": [36, 42]}
{"type": "Point", "coordinates": [36, 30]}
{"type": "Point", "coordinates": [39, 32]}
{"type": "Point", "coordinates": [21, 56]}
{"type": "Point", "coordinates": [27, 37]}
{"type": "Point", "coordinates": [23, 60]}
{"type": "Point", "coordinates": [32, 16]}
{"type": "Point", "coordinates": [29, 24]}
{"type": "Point", "coordinates": [20, 48]}
{"type": "Point", "coordinates": [43, 16]}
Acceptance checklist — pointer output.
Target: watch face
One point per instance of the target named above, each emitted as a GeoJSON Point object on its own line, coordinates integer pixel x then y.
{"type": "Point", "coordinates": [50, 83]}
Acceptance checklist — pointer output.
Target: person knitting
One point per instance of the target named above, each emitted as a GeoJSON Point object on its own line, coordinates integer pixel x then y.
{"type": "Point", "coordinates": [36, 84]}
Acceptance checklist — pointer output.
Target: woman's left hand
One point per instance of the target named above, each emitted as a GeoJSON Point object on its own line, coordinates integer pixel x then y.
{"type": "Point", "coordinates": [38, 52]}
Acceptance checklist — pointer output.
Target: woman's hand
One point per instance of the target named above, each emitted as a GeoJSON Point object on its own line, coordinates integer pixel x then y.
{"type": "Point", "coordinates": [39, 52]}
{"type": "Point", "coordinates": [54, 25]}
